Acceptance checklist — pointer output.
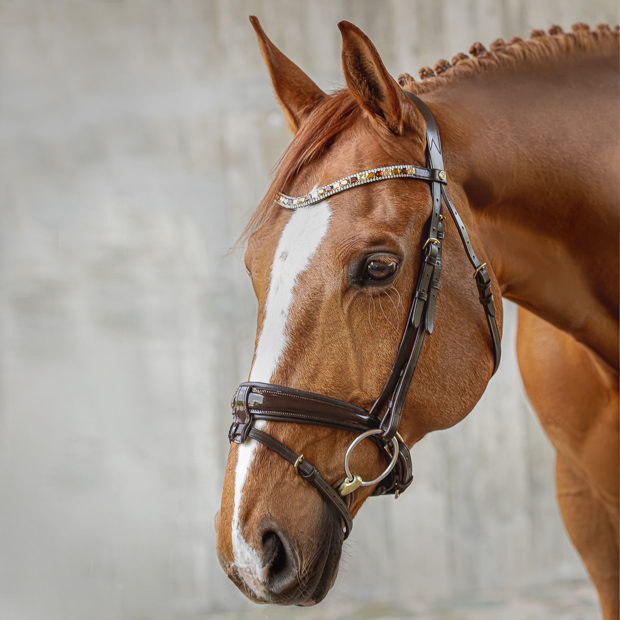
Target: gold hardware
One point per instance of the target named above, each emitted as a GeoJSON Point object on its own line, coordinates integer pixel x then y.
{"type": "Point", "coordinates": [442, 175]}
{"type": "Point", "coordinates": [396, 493]}
{"type": "Point", "coordinates": [442, 218]}
{"type": "Point", "coordinates": [300, 458]}
{"type": "Point", "coordinates": [430, 240]}
{"type": "Point", "coordinates": [479, 269]}
{"type": "Point", "coordinates": [349, 485]}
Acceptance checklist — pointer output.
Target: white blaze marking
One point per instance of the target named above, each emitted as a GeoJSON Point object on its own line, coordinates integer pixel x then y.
{"type": "Point", "coordinates": [300, 239]}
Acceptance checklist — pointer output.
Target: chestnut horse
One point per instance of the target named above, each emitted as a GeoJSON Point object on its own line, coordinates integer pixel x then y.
{"type": "Point", "coordinates": [530, 142]}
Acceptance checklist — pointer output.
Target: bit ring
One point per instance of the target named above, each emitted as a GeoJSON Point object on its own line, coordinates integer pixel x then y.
{"type": "Point", "coordinates": [357, 440]}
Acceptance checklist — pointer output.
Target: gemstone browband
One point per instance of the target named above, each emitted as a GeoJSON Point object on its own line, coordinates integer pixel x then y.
{"type": "Point", "coordinates": [403, 171]}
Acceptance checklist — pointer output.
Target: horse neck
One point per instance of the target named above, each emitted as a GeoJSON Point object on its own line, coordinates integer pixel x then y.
{"type": "Point", "coordinates": [535, 156]}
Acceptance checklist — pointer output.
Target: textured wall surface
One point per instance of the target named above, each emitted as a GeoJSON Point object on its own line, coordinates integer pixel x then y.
{"type": "Point", "coordinates": [135, 139]}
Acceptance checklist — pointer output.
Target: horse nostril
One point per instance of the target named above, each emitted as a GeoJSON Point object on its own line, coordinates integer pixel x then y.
{"type": "Point", "coordinates": [274, 554]}
{"type": "Point", "coordinates": [279, 560]}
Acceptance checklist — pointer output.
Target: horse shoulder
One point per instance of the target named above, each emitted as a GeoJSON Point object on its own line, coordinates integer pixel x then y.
{"type": "Point", "coordinates": [575, 396]}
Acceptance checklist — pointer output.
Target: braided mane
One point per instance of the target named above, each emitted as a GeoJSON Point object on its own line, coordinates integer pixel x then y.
{"type": "Point", "coordinates": [340, 111]}
{"type": "Point", "coordinates": [541, 47]}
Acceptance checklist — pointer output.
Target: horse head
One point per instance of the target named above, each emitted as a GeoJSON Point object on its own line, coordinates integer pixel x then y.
{"type": "Point", "coordinates": [334, 279]}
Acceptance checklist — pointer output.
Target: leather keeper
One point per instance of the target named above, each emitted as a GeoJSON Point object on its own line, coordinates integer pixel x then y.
{"type": "Point", "coordinates": [483, 281]}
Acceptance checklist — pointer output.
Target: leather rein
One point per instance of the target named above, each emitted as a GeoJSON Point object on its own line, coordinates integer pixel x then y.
{"type": "Point", "coordinates": [264, 401]}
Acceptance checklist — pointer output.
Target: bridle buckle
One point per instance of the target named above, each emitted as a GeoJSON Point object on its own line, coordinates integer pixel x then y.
{"type": "Point", "coordinates": [242, 417]}
{"type": "Point", "coordinates": [430, 240]}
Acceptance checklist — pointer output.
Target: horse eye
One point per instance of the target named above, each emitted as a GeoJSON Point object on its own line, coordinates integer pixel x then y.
{"type": "Point", "coordinates": [378, 269]}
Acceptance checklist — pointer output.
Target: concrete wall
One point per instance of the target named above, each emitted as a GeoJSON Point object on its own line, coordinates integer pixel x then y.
{"type": "Point", "coordinates": [135, 139]}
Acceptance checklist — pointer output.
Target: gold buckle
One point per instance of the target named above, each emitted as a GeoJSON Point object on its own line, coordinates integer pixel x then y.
{"type": "Point", "coordinates": [300, 458]}
{"type": "Point", "coordinates": [430, 240]}
{"type": "Point", "coordinates": [479, 269]}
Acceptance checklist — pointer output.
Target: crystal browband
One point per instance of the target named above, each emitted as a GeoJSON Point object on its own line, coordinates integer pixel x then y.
{"type": "Point", "coordinates": [403, 171]}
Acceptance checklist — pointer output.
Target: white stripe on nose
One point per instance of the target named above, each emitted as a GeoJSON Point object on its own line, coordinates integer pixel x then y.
{"type": "Point", "coordinates": [300, 239]}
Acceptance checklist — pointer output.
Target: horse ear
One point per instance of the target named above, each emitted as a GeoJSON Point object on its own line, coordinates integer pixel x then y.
{"type": "Point", "coordinates": [296, 92]}
{"type": "Point", "coordinates": [370, 83]}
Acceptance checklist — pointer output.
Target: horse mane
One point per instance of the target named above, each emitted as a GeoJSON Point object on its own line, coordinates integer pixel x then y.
{"type": "Point", "coordinates": [541, 48]}
{"type": "Point", "coordinates": [339, 111]}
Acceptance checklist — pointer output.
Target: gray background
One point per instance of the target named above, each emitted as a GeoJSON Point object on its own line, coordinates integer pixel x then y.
{"type": "Point", "coordinates": [135, 140]}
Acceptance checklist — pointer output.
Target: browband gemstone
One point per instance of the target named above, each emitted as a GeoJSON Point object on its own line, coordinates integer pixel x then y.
{"type": "Point", "coordinates": [403, 171]}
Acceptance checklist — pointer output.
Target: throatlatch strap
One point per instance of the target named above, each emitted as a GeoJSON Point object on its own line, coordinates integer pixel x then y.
{"type": "Point", "coordinates": [483, 281]}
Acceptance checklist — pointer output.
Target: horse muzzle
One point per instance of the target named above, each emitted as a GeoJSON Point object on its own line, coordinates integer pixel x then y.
{"type": "Point", "coordinates": [282, 571]}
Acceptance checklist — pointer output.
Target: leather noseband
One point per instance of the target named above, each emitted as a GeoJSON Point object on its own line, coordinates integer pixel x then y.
{"type": "Point", "coordinates": [263, 401]}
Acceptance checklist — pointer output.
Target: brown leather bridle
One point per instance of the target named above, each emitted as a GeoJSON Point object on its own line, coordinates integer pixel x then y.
{"type": "Point", "coordinates": [264, 401]}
